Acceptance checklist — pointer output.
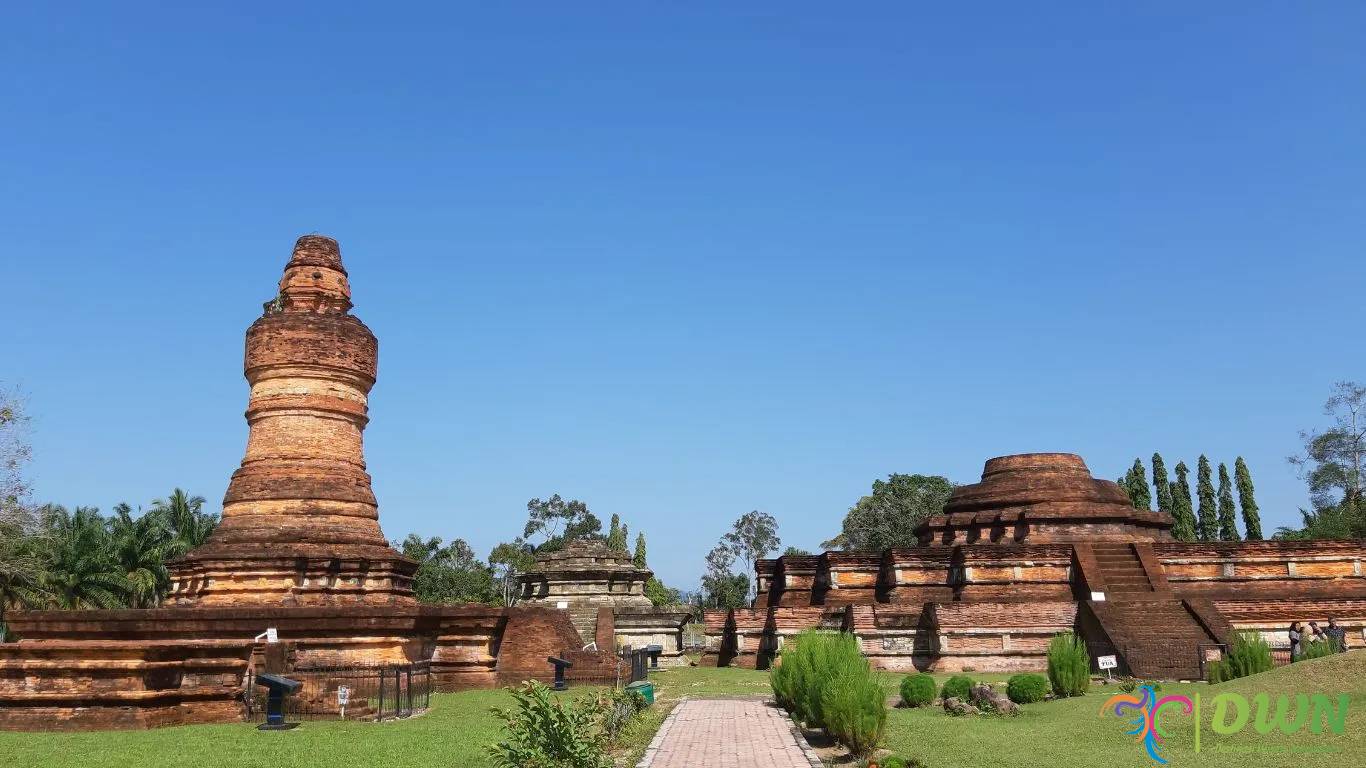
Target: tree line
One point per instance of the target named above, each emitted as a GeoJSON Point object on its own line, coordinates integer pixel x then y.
{"type": "Point", "coordinates": [55, 558]}
{"type": "Point", "coordinates": [452, 574]}
{"type": "Point", "coordinates": [1215, 518]}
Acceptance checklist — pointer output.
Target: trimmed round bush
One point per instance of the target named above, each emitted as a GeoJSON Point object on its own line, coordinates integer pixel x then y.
{"type": "Point", "coordinates": [892, 761]}
{"type": "Point", "coordinates": [1027, 689]}
{"type": "Point", "coordinates": [958, 687]}
{"type": "Point", "coordinates": [917, 690]}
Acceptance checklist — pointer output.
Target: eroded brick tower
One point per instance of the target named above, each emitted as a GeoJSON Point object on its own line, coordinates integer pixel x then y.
{"type": "Point", "coordinates": [300, 522]}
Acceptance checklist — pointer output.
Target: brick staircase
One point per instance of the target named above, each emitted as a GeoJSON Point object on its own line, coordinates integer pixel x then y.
{"type": "Point", "coordinates": [1156, 634]}
{"type": "Point", "coordinates": [1122, 570]}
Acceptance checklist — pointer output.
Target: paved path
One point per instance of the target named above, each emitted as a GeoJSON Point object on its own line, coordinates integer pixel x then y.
{"type": "Point", "coordinates": [728, 733]}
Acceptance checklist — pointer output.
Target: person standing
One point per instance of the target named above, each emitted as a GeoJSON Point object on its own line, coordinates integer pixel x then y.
{"type": "Point", "coordinates": [1337, 635]}
{"type": "Point", "coordinates": [1296, 641]}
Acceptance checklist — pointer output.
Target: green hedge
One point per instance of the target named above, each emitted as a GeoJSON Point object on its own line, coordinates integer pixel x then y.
{"type": "Point", "coordinates": [957, 687]}
{"type": "Point", "coordinates": [1248, 654]}
{"type": "Point", "coordinates": [917, 690]}
{"type": "Point", "coordinates": [1027, 689]}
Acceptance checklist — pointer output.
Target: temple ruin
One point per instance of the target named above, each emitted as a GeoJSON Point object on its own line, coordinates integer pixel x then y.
{"type": "Point", "coordinates": [587, 577]}
{"type": "Point", "coordinates": [299, 550]}
{"type": "Point", "coordinates": [1037, 548]}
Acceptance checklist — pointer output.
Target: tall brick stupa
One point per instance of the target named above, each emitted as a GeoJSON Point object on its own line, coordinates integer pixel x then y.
{"type": "Point", "coordinates": [300, 522]}
{"type": "Point", "coordinates": [298, 559]}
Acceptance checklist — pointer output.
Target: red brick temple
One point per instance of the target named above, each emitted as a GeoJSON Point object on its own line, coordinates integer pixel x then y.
{"type": "Point", "coordinates": [299, 549]}
{"type": "Point", "coordinates": [1037, 548]}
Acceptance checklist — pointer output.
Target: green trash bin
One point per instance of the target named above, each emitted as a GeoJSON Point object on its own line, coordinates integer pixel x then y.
{"type": "Point", "coordinates": [644, 688]}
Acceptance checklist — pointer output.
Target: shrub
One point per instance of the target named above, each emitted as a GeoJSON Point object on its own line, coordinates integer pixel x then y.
{"type": "Point", "coordinates": [1069, 666]}
{"type": "Point", "coordinates": [616, 710]}
{"type": "Point", "coordinates": [896, 761]}
{"type": "Point", "coordinates": [1214, 672]}
{"type": "Point", "coordinates": [1027, 689]}
{"type": "Point", "coordinates": [958, 687]}
{"type": "Point", "coordinates": [543, 733]}
{"type": "Point", "coordinates": [1248, 654]}
{"type": "Point", "coordinates": [1317, 650]}
{"type": "Point", "coordinates": [854, 707]}
{"type": "Point", "coordinates": [917, 690]}
{"type": "Point", "coordinates": [810, 664]}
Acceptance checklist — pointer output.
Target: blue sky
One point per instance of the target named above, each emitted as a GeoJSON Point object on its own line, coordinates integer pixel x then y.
{"type": "Point", "coordinates": [686, 261]}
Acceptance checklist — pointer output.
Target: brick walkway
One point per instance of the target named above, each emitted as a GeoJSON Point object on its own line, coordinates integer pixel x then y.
{"type": "Point", "coordinates": [728, 733]}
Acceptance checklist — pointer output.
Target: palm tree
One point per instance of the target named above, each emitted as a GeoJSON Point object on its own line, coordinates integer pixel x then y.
{"type": "Point", "coordinates": [140, 546]}
{"type": "Point", "coordinates": [81, 572]}
{"type": "Point", "coordinates": [186, 518]}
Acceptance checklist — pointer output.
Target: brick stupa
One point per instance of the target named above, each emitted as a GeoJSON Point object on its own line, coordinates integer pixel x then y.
{"type": "Point", "coordinates": [299, 550]}
{"type": "Point", "coordinates": [1038, 547]}
{"type": "Point", "coordinates": [300, 523]}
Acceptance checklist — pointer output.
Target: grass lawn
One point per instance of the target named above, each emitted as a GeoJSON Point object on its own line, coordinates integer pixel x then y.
{"type": "Point", "coordinates": [452, 734]}
{"type": "Point", "coordinates": [455, 731]}
{"type": "Point", "coordinates": [1071, 731]}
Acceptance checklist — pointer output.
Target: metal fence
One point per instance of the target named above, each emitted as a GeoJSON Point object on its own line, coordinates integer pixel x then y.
{"type": "Point", "coordinates": [628, 666]}
{"type": "Point", "coordinates": [350, 693]}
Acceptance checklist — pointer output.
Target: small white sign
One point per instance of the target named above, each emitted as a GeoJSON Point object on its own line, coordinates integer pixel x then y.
{"type": "Point", "coordinates": [562, 605]}
{"type": "Point", "coordinates": [343, 695]}
{"type": "Point", "coordinates": [1106, 662]}
{"type": "Point", "coordinates": [272, 636]}
{"type": "Point", "coordinates": [1098, 596]}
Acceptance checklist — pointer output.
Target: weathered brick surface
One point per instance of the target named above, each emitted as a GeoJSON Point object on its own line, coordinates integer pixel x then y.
{"type": "Point", "coordinates": [300, 522]}
{"type": "Point", "coordinates": [1016, 558]}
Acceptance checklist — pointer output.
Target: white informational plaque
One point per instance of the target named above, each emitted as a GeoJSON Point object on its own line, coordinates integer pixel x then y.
{"type": "Point", "coordinates": [1106, 662]}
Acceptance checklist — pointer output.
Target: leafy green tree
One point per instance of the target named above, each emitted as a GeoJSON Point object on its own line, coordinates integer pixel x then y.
{"type": "Point", "coordinates": [448, 574]}
{"type": "Point", "coordinates": [20, 561]}
{"type": "Point", "coordinates": [662, 595]}
{"type": "Point", "coordinates": [185, 516]}
{"type": "Point", "coordinates": [721, 587]}
{"type": "Point", "coordinates": [1136, 485]}
{"type": "Point", "coordinates": [888, 516]}
{"type": "Point", "coordinates": [1162, 484]}
{"type": "Point", "coordinates": [1228, 528]}
{"type": "Point", "coordinates": [507, 560]}
{"type": "Point", "coordinates": [1332, 460]}
{"type": "Point", "coordinates": [638, 559]}
{"type": "Point", "coordinates": [80, 568]}
{"type": "Point", "coordinates": [753, 536]}
{"type": "Point", "coordinates": [1340, 521]}
{"type": "Point", "coordinates": [1207, 515]}
{"type": "Point", "coordinates": [1184, 528]}
{"type": "Point", "coordinates": [1252, 519]}
{"type": "Point", "coordinates": [141, 546]}
{"type": "Point", "coordinates": [796, 552]}
{"type": "Point", "coordinates": [557, 521]}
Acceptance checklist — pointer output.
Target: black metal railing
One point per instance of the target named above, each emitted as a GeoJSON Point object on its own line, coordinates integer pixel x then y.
{"type": "Point", "coordinates": [350, 693]}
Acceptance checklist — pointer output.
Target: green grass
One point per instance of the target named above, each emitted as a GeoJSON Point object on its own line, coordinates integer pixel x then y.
{"type": "Point", "coordinates": [452, 734]}
{"type": "Point", "coordinates": [1072, 732]}
{"type": "Point", "coordinates": [455, 731]}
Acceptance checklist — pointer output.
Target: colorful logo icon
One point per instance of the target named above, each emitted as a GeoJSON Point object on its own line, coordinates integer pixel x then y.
{"type": "Point", "coordinates": [1144, 714]}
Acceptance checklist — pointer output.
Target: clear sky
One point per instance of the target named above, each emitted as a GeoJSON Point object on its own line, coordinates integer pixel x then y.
{"type": "Point", "coordinates": [683, 261]}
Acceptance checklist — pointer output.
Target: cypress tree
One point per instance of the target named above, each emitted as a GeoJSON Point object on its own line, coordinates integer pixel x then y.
{"type": "Point", "coordinates": [639, 558]}
{"type": "Point", "coordinates": [1184, 528]}
{"type": "Point", "coordinates": [1207, 513]}
{"type": "Point", "coordinates": [1139, 494]}
{"type": "Point", "coordinates": [1228, 527]}
{"type": "Point", "coordinates": [616, 535]}
{"type": "Point", "coordinates": [1163, 485]}
{"type": "Point", "coordinates": [1252, 520]}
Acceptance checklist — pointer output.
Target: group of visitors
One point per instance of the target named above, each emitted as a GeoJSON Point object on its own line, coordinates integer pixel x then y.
{"type": "Point", "coordinates": [1299, 635]}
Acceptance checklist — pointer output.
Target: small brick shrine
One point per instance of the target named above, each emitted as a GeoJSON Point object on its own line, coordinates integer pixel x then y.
{"type": "Point", "coordinates": [299, 549]}
{"type": "Point", "coordinates": [1037, 548]}
{"type": "Point", "coordinates": [587, 576]}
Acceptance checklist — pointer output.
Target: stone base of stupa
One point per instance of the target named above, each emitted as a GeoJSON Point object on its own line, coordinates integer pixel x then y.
{"type": "Point", "coordinates": [92, 670]}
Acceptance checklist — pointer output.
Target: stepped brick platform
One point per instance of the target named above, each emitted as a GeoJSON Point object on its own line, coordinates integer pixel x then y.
{"type": "Point", "coordinates": [299, 549]}
{"type": "Point", "coordinates": [587, 577]}
{"type": "Point", "coordinates": [1037, 548]}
